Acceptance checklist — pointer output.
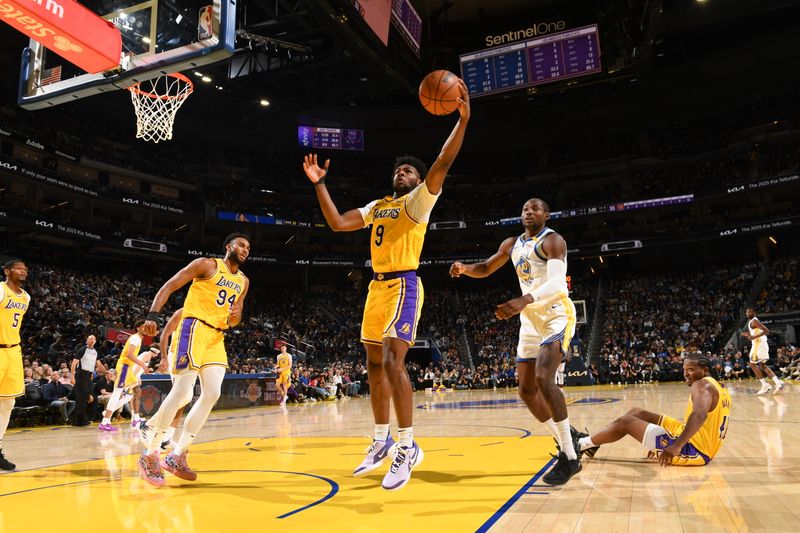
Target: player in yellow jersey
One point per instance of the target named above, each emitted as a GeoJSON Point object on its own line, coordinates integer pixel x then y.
{"type": "Point", "coordinates": [284, 370]}
{"type": "Point", "coordinates": [14, 302]}
{"type": "Point", "coordinates": [213, 305]}
{"type": "Point", "coordinates": [547, 324]}
{"type": "Point", "coordinates": [395, 296]}
{"type": "Point", "coordinates": [693, 442]}
{"type": "Point", "coordinates": [130, 367]}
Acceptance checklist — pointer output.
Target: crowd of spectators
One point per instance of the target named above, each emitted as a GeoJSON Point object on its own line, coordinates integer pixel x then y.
{"type": "Point", "coordinates": [652, 318]}
{"type": "Point", "coordinates": [781, 293]}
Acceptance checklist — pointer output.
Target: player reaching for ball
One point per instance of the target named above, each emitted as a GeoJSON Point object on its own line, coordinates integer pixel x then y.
{"type": "Point", "coordinates": [395, 294]}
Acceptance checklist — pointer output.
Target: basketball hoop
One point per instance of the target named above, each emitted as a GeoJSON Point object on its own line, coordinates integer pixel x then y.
{"type": "Point", "coordinates": [156, 101]}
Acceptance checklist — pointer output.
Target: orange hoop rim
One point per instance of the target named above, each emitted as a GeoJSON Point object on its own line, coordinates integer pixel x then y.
{"type": "Point", "coordinates": [135, 89]}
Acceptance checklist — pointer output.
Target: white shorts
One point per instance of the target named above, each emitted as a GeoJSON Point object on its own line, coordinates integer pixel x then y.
{"type": "Point", "coordinates": [759, 352]}
{"type": "Point", "coordinates": [545, 325]}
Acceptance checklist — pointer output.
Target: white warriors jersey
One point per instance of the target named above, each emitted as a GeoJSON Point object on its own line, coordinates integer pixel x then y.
{"type": "Point", "coordinates": [530, 262]}
{"type": "Point", "coordinates": [760, 343]}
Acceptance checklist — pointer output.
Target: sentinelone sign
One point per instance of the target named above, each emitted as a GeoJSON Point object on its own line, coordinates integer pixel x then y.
{"type": "Point", "coordinates": [534, 30]}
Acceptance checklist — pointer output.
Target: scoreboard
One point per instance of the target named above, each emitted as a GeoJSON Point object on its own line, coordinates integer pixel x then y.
{"type": "Point", "coordinates": [555, 57]}
{"type": "Point", "coordinates": [330, 138]}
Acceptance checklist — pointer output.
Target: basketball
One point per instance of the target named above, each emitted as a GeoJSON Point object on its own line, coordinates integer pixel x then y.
{"type": "Point", "coordinates": [439, 93]}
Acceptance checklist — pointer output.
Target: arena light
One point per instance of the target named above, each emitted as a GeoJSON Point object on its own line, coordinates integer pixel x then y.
{"type": "Point", "coordinates": [772, 240]}
{"type": "Point", "coordinates": [264, 102]}
{"type": "Point", "coordinates": [601, 259]}
{"type": "Point", "coordinates": [206, 79]}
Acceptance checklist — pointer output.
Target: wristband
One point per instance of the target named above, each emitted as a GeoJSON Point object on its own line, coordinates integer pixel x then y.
{"type": "Point", "coordinates": [153, 316]}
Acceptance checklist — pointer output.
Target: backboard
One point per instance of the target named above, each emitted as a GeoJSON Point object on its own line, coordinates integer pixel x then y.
{"type": "Point", "coordinates": [158, 37]}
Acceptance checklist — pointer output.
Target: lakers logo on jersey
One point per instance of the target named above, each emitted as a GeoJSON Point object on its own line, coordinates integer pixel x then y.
{"type": "Point", "coordinates": [406, 328]}
{"type": "Point", "coordinates": [523, 269]}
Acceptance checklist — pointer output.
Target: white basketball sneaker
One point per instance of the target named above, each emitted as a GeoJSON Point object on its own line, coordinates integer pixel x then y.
{"type": "Point", "coordinates": [404, 462]}
{"type": "Point", "coordinates": [376, 453]}
{"type": "Point", "coordinates": [764, 389]}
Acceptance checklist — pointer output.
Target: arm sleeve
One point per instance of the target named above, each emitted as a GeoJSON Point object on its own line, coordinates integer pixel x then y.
{"type": "Point", "coordinates": [556, 284]}
{"type": "Point", "coordinates": [366, 212]}
{"type": "Point", "coordinates": [419, 204]}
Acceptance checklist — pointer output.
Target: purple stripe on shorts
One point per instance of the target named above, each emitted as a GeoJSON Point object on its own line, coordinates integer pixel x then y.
{"type": "Point", "coordinates": [184, 342]}
{"type": "Point", "coordinates": [408, 312]}
{"type": "Point", "coordinates": [122, 375]}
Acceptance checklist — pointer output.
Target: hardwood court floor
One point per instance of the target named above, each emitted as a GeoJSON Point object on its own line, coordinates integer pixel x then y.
{"type": "Point", "coordinates": [290, 469]}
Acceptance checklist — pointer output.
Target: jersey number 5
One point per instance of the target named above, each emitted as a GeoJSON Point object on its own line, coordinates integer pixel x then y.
{"type": "Point", "coordinates": [15, 324]}
{"type": "Point", "coordinates": [379, 235]}
{"type": "Point", "coordinates": [222, 297]}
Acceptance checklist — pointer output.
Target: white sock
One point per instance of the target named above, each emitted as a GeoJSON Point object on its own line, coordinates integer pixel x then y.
{"type": "Point", "coordinates": [169, 433]}
{"type": "Point", "coordinates": [764, 382]}
{"type": "Point", "coordinates": [183, 445]}
{"type": "Point", "coordinates": [586, 443]}
{"type": "Point", "coordinates": [565, 439]}
{"type": "Point", "coordinates": [552, 428]}
{"type": "Point", "coordinates": [381, 432]}
{"type": "Point", "coordinates": [776, 380]}
{"type": "Point", "coordinates": [106, 420]}
{"type": "Point", "coordinates": [155, 441]}
{"type": "Point", "coordinates": [405, 437]}
{"type": "Point", "coordinates": [136, 417]}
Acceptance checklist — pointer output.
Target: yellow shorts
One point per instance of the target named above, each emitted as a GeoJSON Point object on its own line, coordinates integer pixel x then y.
{"type": "Point", "coordinates": [392, 309]}
{"type": "Point", "coordinates": [284, 377]}
{"type": "Point", "coordinates": [690, 455]}
{"type": "Point", "coordinates": [12, 378]}
{"type": "Point", "coordinates": [128, 375]}
{"type": "Point", "coordinates": [199, 345]}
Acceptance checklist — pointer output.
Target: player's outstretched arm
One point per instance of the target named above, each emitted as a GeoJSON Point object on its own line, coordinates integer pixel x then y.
{"type": "Point", "coordinates": [703, 400]}
{"type": "Point", "coordinates": [201, 267]}
{"type": "Point", "coordinates": [351, 220]}
{"type": "Point", "coordinates": [484, 268]}
{"type": "Point", "coordinates": [440, 167]}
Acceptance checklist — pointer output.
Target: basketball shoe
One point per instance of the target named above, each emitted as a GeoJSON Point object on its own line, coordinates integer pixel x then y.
{"type": "Point", "coordinates": [177, 466]}
{"type": "Point", "coordinates": [563, 470]}
{"type": "Point", "coordinates": [5, 464]}
{"type": "Point", "coordinates": [404, 462]}
{"type": "Point", "coordinates": [150, 469]}
{"type": "Point", "coordinates": [376, 453]}
{"type": "Point", "coordinates": [764, 389]}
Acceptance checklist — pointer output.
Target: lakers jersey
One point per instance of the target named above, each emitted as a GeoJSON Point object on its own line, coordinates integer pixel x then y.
{"type": "Point", "coordinates": [530, 262]}
{"type": "Point", "coordinates": [398, 229]}
{"type": "Point", "coordinates": [134, 341]}
{"type": "Point", "coordinates": [284, 362]}
{"type": "Point", "coordinates": [210, 299]}
{"type": "Point", "coordinates": [14, 307]}
{"type": "Point", "coordinates": [710, 436]}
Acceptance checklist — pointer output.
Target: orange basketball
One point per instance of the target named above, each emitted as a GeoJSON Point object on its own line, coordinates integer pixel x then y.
{"type": "Point", "coordinates": [439, 92]}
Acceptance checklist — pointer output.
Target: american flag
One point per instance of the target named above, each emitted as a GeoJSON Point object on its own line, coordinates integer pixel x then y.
{"type": "Point", "coordinates": [51, 75]}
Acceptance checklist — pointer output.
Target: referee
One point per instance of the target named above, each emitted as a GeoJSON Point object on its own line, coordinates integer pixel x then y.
{"type": "Point", "coordinates": [84, 362]}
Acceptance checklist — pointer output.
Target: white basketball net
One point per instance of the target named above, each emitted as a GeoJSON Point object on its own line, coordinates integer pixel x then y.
{"type": "Point", "coordinates": [156, 101]}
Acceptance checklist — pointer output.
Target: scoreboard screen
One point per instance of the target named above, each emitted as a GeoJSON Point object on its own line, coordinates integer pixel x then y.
{"type": "Point", "coordinates": [330, 138]}
{"type": "Point", "coordinates": [555, 57]}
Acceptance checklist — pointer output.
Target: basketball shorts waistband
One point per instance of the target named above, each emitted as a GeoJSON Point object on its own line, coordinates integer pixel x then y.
{"type": "Point", "coordinates": [386, 276]}
{"type": "Point", "coordinates": [9, 345]}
